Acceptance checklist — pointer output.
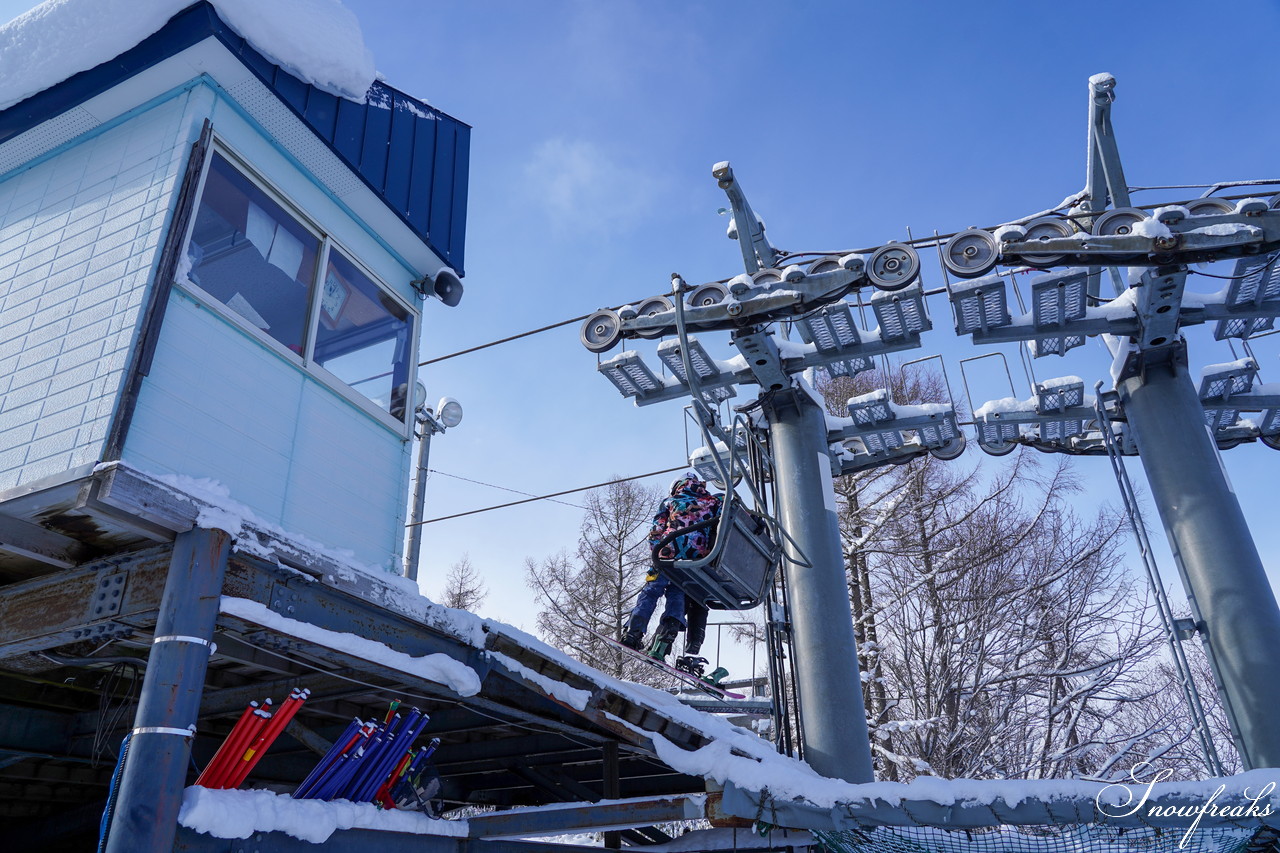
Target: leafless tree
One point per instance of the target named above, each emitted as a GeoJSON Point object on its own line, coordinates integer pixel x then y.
{"type": "Point", "coordinates": [463, 586]}
{"type": "Point", "coordinates": [595, 587]}
{"type": "Point", "coordinates": [1000, 633]}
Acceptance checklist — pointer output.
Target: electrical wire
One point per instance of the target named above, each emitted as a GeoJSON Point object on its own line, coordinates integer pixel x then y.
{"type": "Point", "coordinates": [492, 486]}
{"type": "Point", "coordinates": [112, 707]}
{"type": "Point", "coordinates": [547, 497]}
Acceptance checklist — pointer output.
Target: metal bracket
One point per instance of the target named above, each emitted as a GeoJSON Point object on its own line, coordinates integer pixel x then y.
{"type": "Point", "coordinates": [763, 359]}
{"type": "Point", "coordinates": [108, 596]}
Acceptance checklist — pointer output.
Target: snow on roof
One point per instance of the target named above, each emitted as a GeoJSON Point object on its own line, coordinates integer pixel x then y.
{"type": "Point", "coordinates": [317, 41]}
{"type": "Point", "coordinates": [233, 813]}
{"type": "Point", "coordinates": [438, 668]}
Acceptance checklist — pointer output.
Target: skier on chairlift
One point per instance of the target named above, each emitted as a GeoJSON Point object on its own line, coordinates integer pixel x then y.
{"type": "Point", "coordinates": [688, 503]}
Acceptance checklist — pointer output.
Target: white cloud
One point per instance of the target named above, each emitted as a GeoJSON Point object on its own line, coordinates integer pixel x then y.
{"type": "Point", "coordinates": [584, 187]}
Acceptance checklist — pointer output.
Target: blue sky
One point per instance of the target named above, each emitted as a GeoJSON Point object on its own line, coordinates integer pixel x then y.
{"type": "Point", "coordinates": [596, 125]}
{"type": "Point", "coordinates": [595, 128]}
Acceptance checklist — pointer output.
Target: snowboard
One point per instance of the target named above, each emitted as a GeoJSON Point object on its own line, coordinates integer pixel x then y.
{"type": "Point", "coordinates": [687, 677]}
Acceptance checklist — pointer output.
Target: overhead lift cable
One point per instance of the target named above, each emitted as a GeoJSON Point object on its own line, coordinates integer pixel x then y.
{"type": "Point", "coordinates": [552, 495]}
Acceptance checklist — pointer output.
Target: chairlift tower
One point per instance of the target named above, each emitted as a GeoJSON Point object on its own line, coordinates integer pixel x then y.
{"type": "Point", "coordinates": [1154, 410]}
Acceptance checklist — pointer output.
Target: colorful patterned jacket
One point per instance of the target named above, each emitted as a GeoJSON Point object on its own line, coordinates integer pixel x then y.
{"type": "Point", "coordinates": [689, 503]}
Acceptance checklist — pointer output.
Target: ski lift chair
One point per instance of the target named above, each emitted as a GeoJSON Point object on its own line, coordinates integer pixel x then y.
{"type": "Point", "coordinates": [738, 570]}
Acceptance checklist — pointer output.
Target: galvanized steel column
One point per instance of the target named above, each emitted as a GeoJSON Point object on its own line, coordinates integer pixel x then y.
{"type": "Point", "coordinates": [155, 772]}
{"type": "Point", "coordinates": [826, 664]}
{"type": "Point", "coordinates": [1230, 595]}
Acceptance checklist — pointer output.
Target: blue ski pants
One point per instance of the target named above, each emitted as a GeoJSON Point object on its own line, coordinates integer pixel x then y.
{"type": "Point", "coordinates": [647, 602]}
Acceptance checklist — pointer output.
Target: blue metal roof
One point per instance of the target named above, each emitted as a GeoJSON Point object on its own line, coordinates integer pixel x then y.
{"type": "Point", "coordinates": [414, 157]}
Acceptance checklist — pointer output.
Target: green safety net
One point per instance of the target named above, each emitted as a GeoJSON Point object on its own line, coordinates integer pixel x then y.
{"type": "Point", "coordinates": [1048, 839]}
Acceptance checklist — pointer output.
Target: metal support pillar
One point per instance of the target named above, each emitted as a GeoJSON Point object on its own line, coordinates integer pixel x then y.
{"type": "Point", "coordinates": [419, 501]}
{"type": "Point", "coordinates": [1231, 598]}
{"type": "Point", "coordinates": [611, 788]}
{"type": "Point", "coordinates": [146, 811]}
{"type": "Point", "coordinates": [826, 663]}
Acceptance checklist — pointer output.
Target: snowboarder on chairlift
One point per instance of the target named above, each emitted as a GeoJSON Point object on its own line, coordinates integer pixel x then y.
{"type": "Point", "coordinates": [688, 504]}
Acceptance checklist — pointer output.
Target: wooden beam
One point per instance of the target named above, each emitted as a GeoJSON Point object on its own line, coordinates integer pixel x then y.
{"type": "Point", "coordinates": [31, 540]}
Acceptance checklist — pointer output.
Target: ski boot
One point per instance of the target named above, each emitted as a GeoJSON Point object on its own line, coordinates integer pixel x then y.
{"type": "Point", "coordinates": [717, 675]}
{"type": "Point", "coordinates": [633, 639]}
{"type": "Point", "coordinates": [691, 664]}
{"type": "Point", "coordinates": [667, 630]}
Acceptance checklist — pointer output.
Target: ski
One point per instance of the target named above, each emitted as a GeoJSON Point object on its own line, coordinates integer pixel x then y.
{"type": "Point", "coordinates": [687, 677]}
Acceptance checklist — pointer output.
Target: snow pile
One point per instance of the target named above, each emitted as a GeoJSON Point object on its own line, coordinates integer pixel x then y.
{"type": "Point", "coordinates": [233, 813]}
{"type": "Point", "coordinates": [558, 690]}
{"type": "Point", "coordinates": [317, 41]}
{"type": "Point", "coordinates": [437, 668]}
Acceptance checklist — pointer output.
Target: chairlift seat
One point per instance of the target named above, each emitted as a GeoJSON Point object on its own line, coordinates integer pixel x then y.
{"type": "Point", "coordinates": [738, 570]}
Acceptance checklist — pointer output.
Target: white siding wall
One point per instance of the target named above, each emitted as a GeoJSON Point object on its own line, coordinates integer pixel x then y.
{"type": "Point", "coordinates": [78, 242]}
{"type": "Point", "coordinates": [221, 405]}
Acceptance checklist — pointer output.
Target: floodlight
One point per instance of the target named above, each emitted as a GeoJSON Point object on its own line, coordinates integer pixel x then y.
{"type": "Point", "coordinates": [996, 437]}
{"type": "Point", "coordinates": [901, 314]}
{"type": "Point", "coordinates": [628, 372]}
{"type": "Point", "coordinates": [1270, 429]}
{"type": "Point", "coordinates": [1255, 284]}
{"type": "Point", "coordinates": [879, 442]}
{"type": "Point", "coordinates": [704, 367]}
{"type": "Point", "coordinates": [704, 461]}
{"type": "Point", "coordinates": [829, 329]}
{"type": "Point", "coordinates": [871, 408]}
{"type": "Point", "coordinates": [1241, 327]}
{"type": "Point", "coordinates": [1255, 281]}
{"type": "Point", "coordinates": [1056, 395]}
{"type": "Point", "coordinates": [1058, 299]}
{"type": "Point", "coordinates": [1220, 381]}
{"type": "Point", "coordinates": [980, 304]}
{"type": "Point", "coordinates": [1270, 421]}
{"type": "Point", "coordinates": [940, 433]}
{"type": "Point", "coordinates": [449, 412]}
{"type": "Point", "coordinates": [833, 333]}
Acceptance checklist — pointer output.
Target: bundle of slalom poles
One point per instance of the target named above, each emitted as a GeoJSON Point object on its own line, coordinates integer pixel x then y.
{"type": "Point", "coordinates": [366, 759]}
{"type": "Point", "coordinates": [249, 739]}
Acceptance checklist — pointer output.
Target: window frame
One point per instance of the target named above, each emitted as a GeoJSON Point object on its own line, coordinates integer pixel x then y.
{"type": "Point", "coordinates": [306, 360]}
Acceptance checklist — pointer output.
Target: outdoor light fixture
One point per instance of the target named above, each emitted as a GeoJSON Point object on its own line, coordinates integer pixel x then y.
{"type": "Point", "coordinates": [704, 367]}
{"type": "Point", "coordinates": [871, 409]}
{"type": "Point", "coordinates": [980, 304]}
{"type": "Point", "coordinates": [447, 415]}
{"type": "Point", "coordinates": [879, 425]}
{"type": "Point", "coordinates": [995, 436]}
{"type": "Point", "coordinates": [834, 335]}
{"type": "Point", "coordinates": [1060, 397]}
{"type": "Point", "coordinates": [448, 412]}
{"type": "Point", "coordinates": [704, 461]}
{"type": "Point", "coordinates": [1220, 382]}
{"type": "Point", "coordinates": [1270, 428]}
{"type": "Point", "coordinates": [1056, 395]}
{"type": "Point", "coordinates": [630, 375]}
{"type": "Point", "coordinates": [901, 314]}
{"type": "Point", "coordinates": [829, 329]}
{"type": "Point", "coordinates": [1255, 284]}
{"type": "Point", "coordinates": [1056, 301]}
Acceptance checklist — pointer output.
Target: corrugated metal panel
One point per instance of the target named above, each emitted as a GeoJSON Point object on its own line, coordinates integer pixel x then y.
{"type": "Point", "coordinates": [414, 157]}
{"type": "Point", "coordinates": [76, 254]}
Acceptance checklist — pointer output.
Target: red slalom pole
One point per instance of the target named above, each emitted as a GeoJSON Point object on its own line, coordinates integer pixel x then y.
{"type": "Point", "coordinates": [228, 770]}
{"type": "Point", "coordinates": [269, 734]}
{"type": "Point", "coordinates": [225, 749]}
{"type": "Point", "coordinates": [383, 797]}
